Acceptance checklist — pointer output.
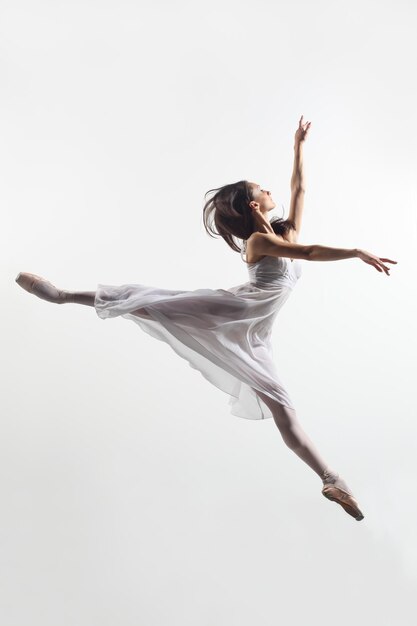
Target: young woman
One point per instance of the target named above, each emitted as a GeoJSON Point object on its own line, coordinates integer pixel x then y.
{"type": "Point", "coordinates": [226, 333]}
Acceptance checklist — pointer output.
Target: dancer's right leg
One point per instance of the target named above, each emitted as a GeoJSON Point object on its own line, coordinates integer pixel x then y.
{"type": "Point", "coordinates": [80, 297]}
{"type": "Point", "coordinates": [45, 290]}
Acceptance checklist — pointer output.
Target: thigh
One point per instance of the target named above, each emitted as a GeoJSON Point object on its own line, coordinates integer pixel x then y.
{"type": "Point", "coordinates": [283, 415]}
{"type": "Point", "coordinates": [142, 313]}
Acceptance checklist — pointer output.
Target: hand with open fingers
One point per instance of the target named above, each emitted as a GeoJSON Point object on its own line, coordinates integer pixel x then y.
{"type": "Point", "coordinates": [377, 262]}
{"type": "Point", "coordinates": [302, 130]}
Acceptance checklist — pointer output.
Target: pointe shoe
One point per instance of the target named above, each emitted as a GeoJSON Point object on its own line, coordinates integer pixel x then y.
{"type": "Point", "coordinates": [346, 500]}
{"type": "Point", "coordinates": [40, 287]}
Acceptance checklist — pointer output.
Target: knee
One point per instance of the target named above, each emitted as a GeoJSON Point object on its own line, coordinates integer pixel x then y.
{"type": "Point", "coordinates": [284, 417]}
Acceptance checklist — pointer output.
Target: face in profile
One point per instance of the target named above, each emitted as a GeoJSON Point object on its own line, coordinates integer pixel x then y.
{"type": "Point", "coordinates": [262, 198]}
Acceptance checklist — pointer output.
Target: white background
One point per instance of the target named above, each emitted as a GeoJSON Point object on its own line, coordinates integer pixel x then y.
{"type": "Point", "coordinates": [129, 494]}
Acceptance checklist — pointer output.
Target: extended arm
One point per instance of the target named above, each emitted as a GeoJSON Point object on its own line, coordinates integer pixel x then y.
{"type": "Point", "coordinates": [270, 245]}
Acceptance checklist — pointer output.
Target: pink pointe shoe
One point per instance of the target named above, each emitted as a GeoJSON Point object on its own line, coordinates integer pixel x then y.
{"type": "Point", "coordinates": [40, 287]}
{"type": "Point", "coordinates": [342, 497]}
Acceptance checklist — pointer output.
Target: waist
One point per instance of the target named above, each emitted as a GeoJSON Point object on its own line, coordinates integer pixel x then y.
{"type": "Point", "coordinates": [275, 283]}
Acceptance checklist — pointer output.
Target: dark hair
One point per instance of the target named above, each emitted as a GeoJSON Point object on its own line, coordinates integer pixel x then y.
{"type": "Point", "coordinates": [227, 214]}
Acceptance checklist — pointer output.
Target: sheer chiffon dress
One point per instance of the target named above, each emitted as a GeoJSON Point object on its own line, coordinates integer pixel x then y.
{"type": "Point", "coordinates": [225, 334]}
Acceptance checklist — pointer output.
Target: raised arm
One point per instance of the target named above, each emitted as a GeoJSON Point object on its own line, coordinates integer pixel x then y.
{"type": "Point", "coordinates": [297, 178]}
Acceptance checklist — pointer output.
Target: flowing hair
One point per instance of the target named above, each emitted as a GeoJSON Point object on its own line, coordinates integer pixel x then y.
{"type": "Point", "coordinates": [227, 214]}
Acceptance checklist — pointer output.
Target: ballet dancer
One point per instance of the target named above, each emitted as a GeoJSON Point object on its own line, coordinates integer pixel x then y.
{"type": "Point", "coordinates": [226, 333]}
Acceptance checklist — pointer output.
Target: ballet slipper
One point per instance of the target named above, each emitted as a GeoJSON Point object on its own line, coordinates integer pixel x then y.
{"type": "Point", "coordinates": [40, 287]}
{"type": "Point", "coordinates": [345, 499]}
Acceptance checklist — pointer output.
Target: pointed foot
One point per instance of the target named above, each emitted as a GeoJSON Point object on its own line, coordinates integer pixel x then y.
{"type": "Point", "coordinates": [40, 287]}
{"type": "Point", "coordinates": [345, 500]}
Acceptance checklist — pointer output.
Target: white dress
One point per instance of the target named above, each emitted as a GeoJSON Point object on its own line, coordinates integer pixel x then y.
{"type": "Point", "coordinates": [225, 334]}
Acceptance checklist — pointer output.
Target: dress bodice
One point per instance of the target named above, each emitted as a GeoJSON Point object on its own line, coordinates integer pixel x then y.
{"type": "Point", "coordinates": [274, 272]}
{"type": "Point", "coordinates": [271, 272]}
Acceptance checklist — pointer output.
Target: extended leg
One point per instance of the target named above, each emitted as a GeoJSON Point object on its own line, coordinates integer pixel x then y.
{"type": "Point", "coordinates": [45, 290]}
{"type": "Point", "coordinates": [294, 436]}
{"type": "Point", "coordinates": [297, 440]}
{"type": "Point", "coordinates": [80, 297]}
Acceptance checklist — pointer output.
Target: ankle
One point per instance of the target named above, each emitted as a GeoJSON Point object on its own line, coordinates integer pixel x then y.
{"type": "Point", "coordinates": [329, 476]}
{"type": "Point", "coordinates": [67, 296]}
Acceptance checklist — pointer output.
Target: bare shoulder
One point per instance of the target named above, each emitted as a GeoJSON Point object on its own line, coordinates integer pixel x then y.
{"type": "Point", "coordinates": [270, 244]}
{"type": "Point", "coordinates": [252, 248]}
{"type": "Point", "coordinates": [255, 244]}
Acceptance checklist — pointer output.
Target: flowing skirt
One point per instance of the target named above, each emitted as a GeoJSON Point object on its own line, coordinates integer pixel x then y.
{"type": "Point", "coordinates": [225, 334]}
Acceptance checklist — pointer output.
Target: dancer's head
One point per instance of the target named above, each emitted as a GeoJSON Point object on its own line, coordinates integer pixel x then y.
{"type": "Point", "coordinates": [229, 212]}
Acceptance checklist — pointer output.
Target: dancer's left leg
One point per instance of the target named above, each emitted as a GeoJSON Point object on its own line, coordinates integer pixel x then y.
{"type": "Point", "coordinates": [294, 435]}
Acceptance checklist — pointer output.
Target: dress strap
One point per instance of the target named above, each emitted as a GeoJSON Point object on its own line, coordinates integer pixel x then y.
{"type": "Point", "coordinates": [243, 250]}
